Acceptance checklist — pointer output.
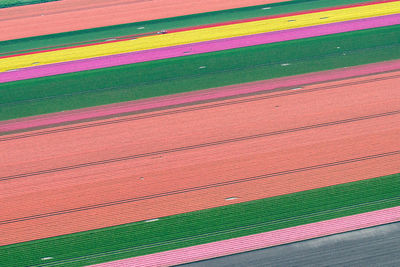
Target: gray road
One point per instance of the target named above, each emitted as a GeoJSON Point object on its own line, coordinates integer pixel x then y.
{"type": "Point", "coordinates": [375, 246]}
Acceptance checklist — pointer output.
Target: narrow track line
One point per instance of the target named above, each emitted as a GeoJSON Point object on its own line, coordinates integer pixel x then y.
{"type": "Point", "coordinates": [198, 188]}
{"type": "Point", "coordinates": [191, 147]}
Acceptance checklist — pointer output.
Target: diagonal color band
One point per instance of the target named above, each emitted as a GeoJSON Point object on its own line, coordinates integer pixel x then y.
{"type": "Point", "coordinates": [197, 48]}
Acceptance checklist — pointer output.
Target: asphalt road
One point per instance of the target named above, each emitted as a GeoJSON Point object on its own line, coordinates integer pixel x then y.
{"type": "Point", "coordinates": [375, 246]}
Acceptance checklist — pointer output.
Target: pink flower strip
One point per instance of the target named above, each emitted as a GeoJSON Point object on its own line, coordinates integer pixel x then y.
{"type": "Point", "coordinates": [263, 240]}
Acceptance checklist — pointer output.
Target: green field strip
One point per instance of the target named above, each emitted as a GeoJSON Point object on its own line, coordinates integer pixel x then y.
{"type": "Point", "coordinates": [208, 225]}
{"type": "Point", "coordinates": [87, 36]}
{"type": "Point", "coordinates": [11, 3]}
{"type": "Point", "coordinates": [182, 74]}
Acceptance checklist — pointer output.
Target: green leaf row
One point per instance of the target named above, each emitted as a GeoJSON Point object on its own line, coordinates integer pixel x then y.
{"type": "Point", "coordinates": [208, 225]}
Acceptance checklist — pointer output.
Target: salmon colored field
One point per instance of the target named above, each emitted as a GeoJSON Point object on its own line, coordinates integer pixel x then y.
{"type": "Point", "coordinates": [73, 15]}
{"type": "Point", "coordinates": [290, 137]}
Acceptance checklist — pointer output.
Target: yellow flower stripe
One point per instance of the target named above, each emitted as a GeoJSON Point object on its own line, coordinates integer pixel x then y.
{"type": "Point", "coordinates": [200, 35]}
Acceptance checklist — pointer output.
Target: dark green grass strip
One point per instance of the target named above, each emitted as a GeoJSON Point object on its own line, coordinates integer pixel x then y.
{"type": "Point", "coordinates": [170, 76]}
{"type": "Point", "coordinates": [87, 36]}
{"type": "Point", "coordinates": [11, 3]}
{"type": "Point", "coordinates": [207, 225]}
